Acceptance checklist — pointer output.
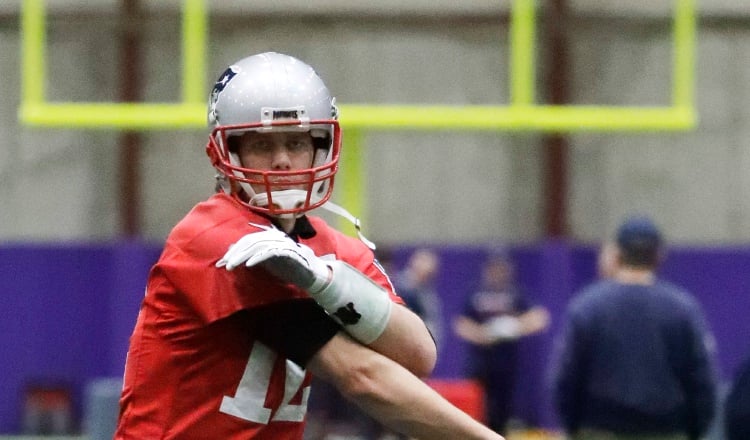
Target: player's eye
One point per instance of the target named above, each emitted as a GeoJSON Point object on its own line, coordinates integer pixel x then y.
{"type": "Point", "coordinates": [298, 145]}
{"type": "Point", "coordinates": [260, 146]}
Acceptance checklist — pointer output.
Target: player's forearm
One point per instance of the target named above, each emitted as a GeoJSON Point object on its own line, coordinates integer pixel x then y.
{"type": "Point", "coordinates": [408, 405]}
{"type": "Point", "coordinates": [392, 395]}
{"type": "Point", "coordinates": [367, 313]}
{"type": "Point", "coordinates": [407, 341]}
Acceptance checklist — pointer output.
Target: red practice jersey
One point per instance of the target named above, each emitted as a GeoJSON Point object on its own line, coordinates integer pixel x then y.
{"type": "Point", "coordinates": [196, 368]}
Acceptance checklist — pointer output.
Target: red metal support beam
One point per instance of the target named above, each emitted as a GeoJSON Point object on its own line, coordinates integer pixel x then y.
{"type": "Point", "coordinates": [130, 141]}
{"type": "Point", "coordinates": [556, 145]}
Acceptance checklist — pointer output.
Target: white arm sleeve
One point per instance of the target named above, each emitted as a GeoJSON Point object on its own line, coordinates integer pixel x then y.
{"type": "Point", "coordinates": [356, 302]}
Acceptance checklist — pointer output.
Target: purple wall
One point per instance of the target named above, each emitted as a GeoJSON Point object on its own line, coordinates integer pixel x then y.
{"type": "Point", "coordinates": [68, 313]}
{"type": "Point", "coordinates": [69, 309]}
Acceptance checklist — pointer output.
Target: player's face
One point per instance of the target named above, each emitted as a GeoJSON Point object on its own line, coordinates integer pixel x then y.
{"type": "Point", "coordinates": [277, 151]}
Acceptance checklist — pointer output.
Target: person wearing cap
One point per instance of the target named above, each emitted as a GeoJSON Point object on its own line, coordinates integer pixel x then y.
{"type": "Point", "coordinates": [635, 357]}
{"type": "Point", "coordinates": [415, 283]}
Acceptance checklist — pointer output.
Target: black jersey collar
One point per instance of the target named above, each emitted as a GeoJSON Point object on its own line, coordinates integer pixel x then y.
{"type": "Point", "coordinates": [302, 228]}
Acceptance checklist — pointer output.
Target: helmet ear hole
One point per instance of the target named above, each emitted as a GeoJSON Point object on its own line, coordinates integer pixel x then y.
{"type": "Point", "coordinates": [322, 146]}
{"type": "Point", "coordinates": [233, 143]}
{"type": "Point", "coordinates": [321, 153]}
{"type": "Point", "coordinates": [321, 142]}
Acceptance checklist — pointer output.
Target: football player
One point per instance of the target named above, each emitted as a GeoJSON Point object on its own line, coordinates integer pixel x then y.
{"type": "Point", "coordinates": [251, 295]}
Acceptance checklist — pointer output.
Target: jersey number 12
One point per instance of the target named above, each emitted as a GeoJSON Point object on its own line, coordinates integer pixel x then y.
{"type": "Point", "coordinates": [249, 400]}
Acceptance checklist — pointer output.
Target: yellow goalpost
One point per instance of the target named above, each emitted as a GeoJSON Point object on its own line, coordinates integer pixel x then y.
{"type": "Point", "coordinates": [522, 113]}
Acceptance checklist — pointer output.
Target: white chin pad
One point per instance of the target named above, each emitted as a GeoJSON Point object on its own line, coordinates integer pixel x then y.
{"type": "Point", "coordinates": [286, 199]}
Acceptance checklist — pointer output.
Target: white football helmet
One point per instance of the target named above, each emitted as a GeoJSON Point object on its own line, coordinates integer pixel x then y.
{"type": "Point", "coordinates": [274, 92]}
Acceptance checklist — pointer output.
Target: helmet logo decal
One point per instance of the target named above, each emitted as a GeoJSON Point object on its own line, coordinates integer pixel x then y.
{"type": "Point", "coordinates": [218, 88]}
{"type": "Point", "coordinates": [268, 115]}
{"type": "Point", "coordinates": [285, 114]}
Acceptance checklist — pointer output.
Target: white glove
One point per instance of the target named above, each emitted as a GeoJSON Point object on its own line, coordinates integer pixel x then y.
{"type": "Point", "coordinates": [360, 305]}
{"type": "Point", "coordinates": [279, 254]}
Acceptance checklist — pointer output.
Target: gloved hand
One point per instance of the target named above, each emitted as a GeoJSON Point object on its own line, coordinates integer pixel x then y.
{"type": "Point", "coordinates": [279, 254]}
{"type": "Point", "coordinates": [356, 302]}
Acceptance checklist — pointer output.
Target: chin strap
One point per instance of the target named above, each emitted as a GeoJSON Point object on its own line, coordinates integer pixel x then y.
{"type": "Point", "coordinates": [328, 206]}
{"type": "Point", "coordinates": [338, 210]}
{"type": "Point", "coordinates": [288, 198]}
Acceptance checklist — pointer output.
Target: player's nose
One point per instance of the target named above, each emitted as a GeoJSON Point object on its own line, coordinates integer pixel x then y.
{"type": "Point", "coordinates": [281, 159]}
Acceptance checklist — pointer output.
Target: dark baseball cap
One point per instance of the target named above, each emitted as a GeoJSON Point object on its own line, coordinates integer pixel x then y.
{"type": "Point", "coordinates": [640, 234]}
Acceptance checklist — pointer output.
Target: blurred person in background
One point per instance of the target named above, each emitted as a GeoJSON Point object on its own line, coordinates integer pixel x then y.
{"type": "Point", "coordinates": [415, 284]}
{"type": "Point", "coordinates": [252, 296]}
{"type": "Point", "coordinates": [737, 405]}
{"type": "Point", "coordinates": [497, 315]}
{"type": "Point", "coordinates": [634, 360]}
{"type": "Point", "coordinates": [606, 263]}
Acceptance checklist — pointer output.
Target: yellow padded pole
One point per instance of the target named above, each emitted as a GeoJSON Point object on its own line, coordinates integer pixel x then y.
{"type": "Point", "coordinates": [683, 56]}
{"type": "Point", "coordinates": [194, 24]}
{"type": "Point", "coordinates": [522, 53]}
{"type": "Point", "coordinates": [350, 179]}
{"type": "Point", "coordinates": [33, 54]}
